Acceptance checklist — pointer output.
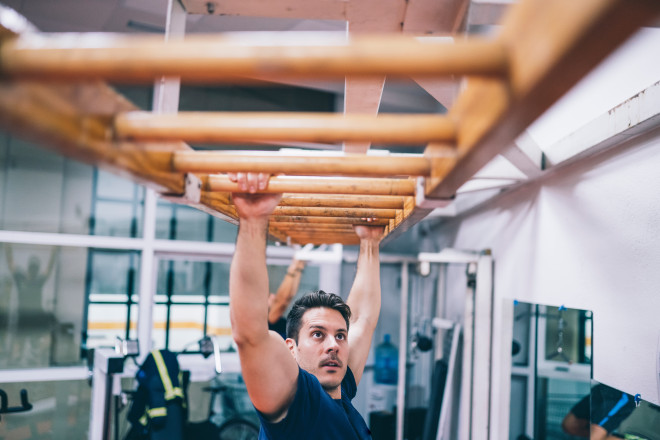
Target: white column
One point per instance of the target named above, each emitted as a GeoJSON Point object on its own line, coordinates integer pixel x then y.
{"type": "Point", "coordinates": [148, 273]}
{"type": "Point", "coordinates": [166, 100]}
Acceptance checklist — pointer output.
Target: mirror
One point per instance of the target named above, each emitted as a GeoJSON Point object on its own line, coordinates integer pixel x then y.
{"type": "Point", "coordinates": [551, 369]}
{"type": "Point", "coordinates": [612, 414]}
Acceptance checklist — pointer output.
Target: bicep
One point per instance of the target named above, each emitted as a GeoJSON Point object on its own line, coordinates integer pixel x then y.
{"type": "Point", "coordinates": [359, 343]}
{"type": "Point", "coordinates": [270, 373]}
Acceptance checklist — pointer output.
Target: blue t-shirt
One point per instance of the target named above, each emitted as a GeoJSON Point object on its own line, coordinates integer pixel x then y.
{"type": "Point", "coordinates": [314, 415]}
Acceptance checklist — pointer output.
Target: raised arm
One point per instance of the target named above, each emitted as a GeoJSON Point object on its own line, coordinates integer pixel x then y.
{"type": "Point", "coordinates": [286, 291]}
{"type": "Point", "coordinates": [269, 370]}
{"type": "Point", "coordinates": [10, 258]}
{"type": "Point", "coordinates": [364, 298]}
{"type": "Point", "coordinates": [51, 261]}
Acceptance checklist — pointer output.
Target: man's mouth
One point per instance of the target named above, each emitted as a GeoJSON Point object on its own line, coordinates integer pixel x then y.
{"type": "Point", "coordinates": [333, 363]}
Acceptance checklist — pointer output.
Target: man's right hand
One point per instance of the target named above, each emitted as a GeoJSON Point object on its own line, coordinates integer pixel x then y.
{"type": "Point", "coordinates": [250, 204]}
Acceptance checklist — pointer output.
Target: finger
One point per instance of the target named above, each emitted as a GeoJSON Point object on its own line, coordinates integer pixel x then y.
{"type": "Point", "coordinates": [241, 180]}
{"type": "Point", "coordinates": [263, 181]}
{"type": "Point", "coordinates": [252, 182]}
{"type": "Point", "coordinates": [232, 177]}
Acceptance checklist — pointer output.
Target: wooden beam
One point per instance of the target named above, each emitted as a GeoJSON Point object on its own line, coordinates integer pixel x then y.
{"type": "Point", "coordinates": [251, 127]}
{"type": "Point", "coordinates": [334, 212]}
{"type": "Point", "coordinates": [322, 185]}
{"type": "Point", "coordinates": [344, 201]}
{"type": "Point", "coordinates": [327, 220]}
{"type": "Point", "coordinates": [213, 59]}
{"type": "Point", "coordinates": [215, 162]}
{"type": "Point", "coordinates": [290, 226]}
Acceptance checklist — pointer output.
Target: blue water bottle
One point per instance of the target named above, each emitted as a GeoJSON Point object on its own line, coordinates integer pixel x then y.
{"type": "Point", "coordinates": [386, 370]}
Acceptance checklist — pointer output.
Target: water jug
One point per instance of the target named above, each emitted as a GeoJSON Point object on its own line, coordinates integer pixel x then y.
{"type": "Point", "coordinates": [387, 361]}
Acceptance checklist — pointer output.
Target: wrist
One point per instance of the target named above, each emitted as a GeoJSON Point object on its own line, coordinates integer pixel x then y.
{"type": "Point", "coordinates": [253, 226]}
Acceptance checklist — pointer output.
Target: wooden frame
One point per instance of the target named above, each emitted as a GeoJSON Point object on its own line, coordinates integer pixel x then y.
{"type": "Point", "coordinates": [543, 49]}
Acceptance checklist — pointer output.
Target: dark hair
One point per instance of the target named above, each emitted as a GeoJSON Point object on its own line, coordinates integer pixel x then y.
{"type": "Point", "coordinates": [313, 300]}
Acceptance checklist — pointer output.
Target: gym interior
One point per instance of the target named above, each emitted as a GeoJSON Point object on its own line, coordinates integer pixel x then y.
{"type": "Point", "coordinates": [503, 304]}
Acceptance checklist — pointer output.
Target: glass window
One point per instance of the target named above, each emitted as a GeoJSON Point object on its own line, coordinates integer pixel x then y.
{"type": "Point", "coordinates": [180, 222]}
{"type": "Point", "coordinates": [41, 191]}
{"type": "Point", "coordinates": [219, 325]}
{"type": "Point", "coordinates": [33, 183]}
{"type": "Point", "coordinates": [159, 332]}
{"type": "Point", "coordinates": [113, 309]}
{"type": "Point", "coordinates": [223, 231]}
{"type": "Point", "coordinates": [107, 321]}
{"type": "Point", "coordinates": [42, 291]}
{"type": "Point", "coordinates": [117, 206]}
{"type": "Point", "coordinates": [113, 273]}
{"type": "Point", "coordinates": [114, 187]}
{"type": "Point", "coordinates": [60, 410]}
{"type": "Point", "coordinates": [115, 219]}
{"type": "Point", "coordinates": [220, 280]}
{"type": "Point", "coordinates": [186, 325]}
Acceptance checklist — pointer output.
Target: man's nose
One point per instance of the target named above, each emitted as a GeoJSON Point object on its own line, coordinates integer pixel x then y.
{"type": "Point", "coordinates": [331, 345]}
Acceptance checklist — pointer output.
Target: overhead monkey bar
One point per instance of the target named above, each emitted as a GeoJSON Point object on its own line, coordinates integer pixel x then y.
{"type": "Point", "coordinates": [543, 48]}
{"type": "Point", "coordinates": [249, 127]}
{"type": "Point", "coordinates": [344, 201]}
{"type": "Point", "coordinates": [238, 57]}
{"type": "Point", "coordinates": [308, 165]}
{"type": "Point", "coordinates": [322, 185]}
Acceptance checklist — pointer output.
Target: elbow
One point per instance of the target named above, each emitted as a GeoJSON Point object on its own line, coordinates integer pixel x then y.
{"type": "Point", "coordinates": [246, 334]}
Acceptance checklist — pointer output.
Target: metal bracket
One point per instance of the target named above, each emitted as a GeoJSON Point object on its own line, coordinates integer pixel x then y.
{"type": "Point", "coordinates": [192, 191]}
{"type": "Point", "coordinates": [421, 201]}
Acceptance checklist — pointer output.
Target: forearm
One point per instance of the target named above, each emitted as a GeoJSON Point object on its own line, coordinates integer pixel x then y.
{"type": "Point", "coordinates": [365, 296]}
{"type": "Point", "coordinates": [248, 282]}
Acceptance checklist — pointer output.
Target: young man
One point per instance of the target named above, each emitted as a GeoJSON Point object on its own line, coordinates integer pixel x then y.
{"type": "Point", "coordinates": [302, 387]}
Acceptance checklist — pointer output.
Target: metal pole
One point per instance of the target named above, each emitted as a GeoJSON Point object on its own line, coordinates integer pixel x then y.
{"type": "Point", "coordinates": [403, 353]}
{"type": "Point", "coordinates": [482, 350]}
{"type": "Point", "coordinates": [465, 409]}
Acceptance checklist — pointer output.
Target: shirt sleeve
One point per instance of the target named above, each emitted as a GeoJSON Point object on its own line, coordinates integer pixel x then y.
{"type": "Point", "coordinates": [348, 384]}
{"type": "Point", "coordinates": [302, 411]}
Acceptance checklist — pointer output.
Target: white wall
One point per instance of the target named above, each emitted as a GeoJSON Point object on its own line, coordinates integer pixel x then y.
{"type": "Point", "coordinates": [587, 238]}
{"type": "Point", "coordinates": [586, 235]}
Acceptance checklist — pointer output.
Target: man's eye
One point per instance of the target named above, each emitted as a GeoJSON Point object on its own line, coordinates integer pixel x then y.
{"type": "Point", "coordinates": [316, 335]}
{"type": "Point", "coordinates": [341, 336]}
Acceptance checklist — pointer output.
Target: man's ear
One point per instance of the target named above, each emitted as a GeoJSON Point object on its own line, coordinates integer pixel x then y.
{"type": "Point", "coordinates": [291, 344]}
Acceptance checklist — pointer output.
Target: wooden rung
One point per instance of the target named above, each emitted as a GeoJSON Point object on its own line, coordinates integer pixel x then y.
{"type": "Point", "coordinates": [344, 201]}
{"type": "Point", "coordinates": [215, 162]}
{"type": "Point", "coordinates": [327, 220]}
{"type": "Point", "coordinates": [335, 212]}
{"type": "Point", "coordinates": [347, 241]}
{"type": "Point", "coordinates": [251, 127]}
{"type": "Point", "coordinates": [319, 234]}
{"type": "Point", "coordinates": [322, 185]}
{"type": "Point", "coordinates": [213, 58]}
{"type": "Point", "coordinates": [336, 227]}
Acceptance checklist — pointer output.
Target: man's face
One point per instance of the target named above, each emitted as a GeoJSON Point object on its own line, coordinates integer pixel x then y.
{"type": "Point", "coordinates": [322, 348]}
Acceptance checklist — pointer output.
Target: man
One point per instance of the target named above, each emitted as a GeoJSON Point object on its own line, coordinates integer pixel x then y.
{"type": "Point", "coordinates": [301, 387]}
{"type": "Point", "coordinates": [280, 300]}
